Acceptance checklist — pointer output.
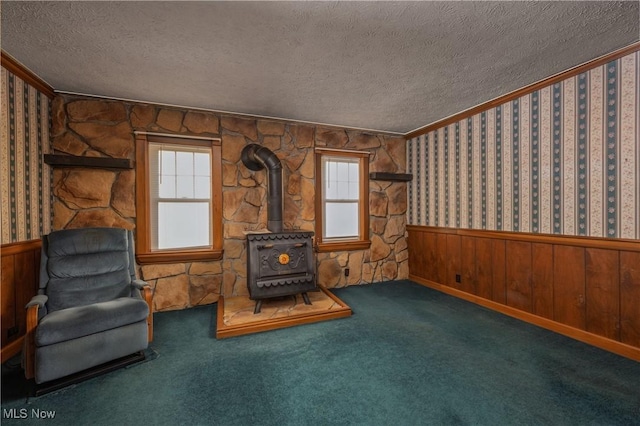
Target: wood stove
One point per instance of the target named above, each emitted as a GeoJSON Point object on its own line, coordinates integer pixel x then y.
{"type": "Point", "coordinates": [279, 263]}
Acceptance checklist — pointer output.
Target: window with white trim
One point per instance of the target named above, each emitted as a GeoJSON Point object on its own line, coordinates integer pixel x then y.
{"type": "Point", "coordinates": [180, 196]}
{"type": "Point", "coordinates": [340, 197]}
{"type": "Point", "coordinates": [179, 186]}
{"type": "Point", "coordinates": [342, 206]}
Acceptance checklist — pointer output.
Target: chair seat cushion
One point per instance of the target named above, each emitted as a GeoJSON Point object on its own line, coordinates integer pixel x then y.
{"type": "Point", "coordinates": [80, 321]}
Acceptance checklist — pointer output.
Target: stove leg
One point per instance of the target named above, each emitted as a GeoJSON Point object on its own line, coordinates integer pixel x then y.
{"type": "Point", "coordinates": [256, 310]}
{"type": "Point", "coordinates": [305, 296]}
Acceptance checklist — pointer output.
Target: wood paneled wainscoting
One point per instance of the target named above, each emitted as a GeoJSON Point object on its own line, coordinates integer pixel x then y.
{"type": "Point", "coordinates": [20, 276]}
{"type": "Point", "coordinates": [585, 288]}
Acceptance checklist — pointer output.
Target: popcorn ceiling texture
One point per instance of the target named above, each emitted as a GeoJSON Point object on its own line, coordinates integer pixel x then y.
{"type": "Point", "coordinates": [91, 197]}
{"type": "Point", "coordinates": [393, 66]}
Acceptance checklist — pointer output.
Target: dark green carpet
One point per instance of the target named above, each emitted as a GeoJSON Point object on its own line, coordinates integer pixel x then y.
{"type": "Point", "coordinates": [408, 355]}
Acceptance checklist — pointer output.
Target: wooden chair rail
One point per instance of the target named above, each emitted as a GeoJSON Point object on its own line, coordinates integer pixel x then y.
{"type": "Point", "coordinates": [569, 240]}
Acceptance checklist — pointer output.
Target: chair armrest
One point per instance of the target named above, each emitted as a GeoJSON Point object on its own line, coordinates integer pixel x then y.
{"type": "Point", "coordinates": [33, 316]}
{"type": "Point", "coordinates": [139, 284]}
{"type": "Point", "coordinates": [143, 290]}
{"type": "Point", "coordinates": [40, 300]}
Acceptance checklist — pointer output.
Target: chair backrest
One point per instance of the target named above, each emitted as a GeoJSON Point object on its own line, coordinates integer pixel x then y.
{"type": "Point", "coordinates": [84, 266]}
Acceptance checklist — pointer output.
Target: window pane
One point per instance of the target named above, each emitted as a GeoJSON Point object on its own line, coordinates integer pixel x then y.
{"type": "Point", "coordinates": [183, 225]}
{"type": "Point", "coordinates": [184, 163]}
{"type": "Point", "coordinates": [332, 170]}
{"type": "Point", "coordinates": [354, 179]}
{"type": "Point", "coordinates": [331, 191]}
{"type": "Point", "coordinates": [343, 184]}
{"type": "Point", "coordinates": [341, 220]}
{"type": "Point", "coordinates": [201, 164]}
{"type": "Point", "coordinates": [168, 162]}
{"type": "Point", "coordinates": [202, 187]}
{"type": "Point", "coordinates": [354, 193]}
{"type": "Point", "coordinates": [167, 186]}
{"type": "Point", "coordinates": [166, 170]}
{"type": "Point", "coordinates": [343, 172]}
{"type": "Point", "coordinates": [341, 179]}
{"type": "Point", "coordinates": [330, 184]}
{"type": "Point", "coordinates": [184, 187]}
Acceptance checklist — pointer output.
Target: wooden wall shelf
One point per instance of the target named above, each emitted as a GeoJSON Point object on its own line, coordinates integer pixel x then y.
{"type": "Point", "coordinates": [57, 160]}
{"type": "Point", "coordinates": [393, 177]}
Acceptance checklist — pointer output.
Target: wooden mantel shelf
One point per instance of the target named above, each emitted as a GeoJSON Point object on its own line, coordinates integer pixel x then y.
{"type": "Point", "coordinates": [58, 160]}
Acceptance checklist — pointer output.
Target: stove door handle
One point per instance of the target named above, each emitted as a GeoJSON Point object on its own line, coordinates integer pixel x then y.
{"type": "Point", "coordinates": [270, 246]}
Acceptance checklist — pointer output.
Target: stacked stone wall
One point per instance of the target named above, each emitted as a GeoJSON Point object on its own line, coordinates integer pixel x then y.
{"type": "Point", "coordinates": [94, 197]}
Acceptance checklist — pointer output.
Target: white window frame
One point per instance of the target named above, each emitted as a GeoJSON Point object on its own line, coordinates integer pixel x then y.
{"type": "Point", "coordinates": [354, 242]}
{"type": "Point", "coordinates": [146, 238]}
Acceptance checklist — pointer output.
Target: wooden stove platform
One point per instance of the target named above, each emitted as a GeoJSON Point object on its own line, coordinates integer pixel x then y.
{"type": "Point", "coordinates": [236, 317]}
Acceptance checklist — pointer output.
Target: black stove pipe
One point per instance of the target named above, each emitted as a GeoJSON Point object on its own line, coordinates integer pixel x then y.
{"type": "Point", "coordinates": [257, 157]}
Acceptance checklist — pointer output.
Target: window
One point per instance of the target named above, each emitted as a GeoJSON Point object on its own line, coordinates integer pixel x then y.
{"type": "Point", "coordinates": [179, 198]}
{"type": "Point", "coordinates": [342, 200]}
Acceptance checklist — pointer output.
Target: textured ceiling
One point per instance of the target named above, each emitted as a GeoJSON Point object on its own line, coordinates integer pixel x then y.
{"type": "Point", "coordinates": [390, 66]}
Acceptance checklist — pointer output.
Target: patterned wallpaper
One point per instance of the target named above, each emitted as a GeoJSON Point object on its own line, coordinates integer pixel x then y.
{"type": "Point", "coordinates": [562, 160]}
{"type": "Point", "coordinates": [25, 181]}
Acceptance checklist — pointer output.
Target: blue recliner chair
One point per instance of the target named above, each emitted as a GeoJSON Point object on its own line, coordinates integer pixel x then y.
{"type": "Point", "coordinates": [90, 308]}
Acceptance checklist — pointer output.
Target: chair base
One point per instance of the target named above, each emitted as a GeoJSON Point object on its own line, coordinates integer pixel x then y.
{"type": "Point", "coordinates": [81, 376]}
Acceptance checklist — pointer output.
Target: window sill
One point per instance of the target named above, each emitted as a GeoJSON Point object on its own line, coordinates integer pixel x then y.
{"type": "Point", "coordinates": [179, 256]}
{"type": "Point", "coordinates": [343, 246]}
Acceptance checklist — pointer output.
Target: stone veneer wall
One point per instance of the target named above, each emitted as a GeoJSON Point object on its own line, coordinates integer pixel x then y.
{"type": "Point", "coordinates": [92, 197]}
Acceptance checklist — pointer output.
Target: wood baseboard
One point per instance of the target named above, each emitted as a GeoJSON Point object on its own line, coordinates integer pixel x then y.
{"type": "Point", "coordinates": [618, 348]}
